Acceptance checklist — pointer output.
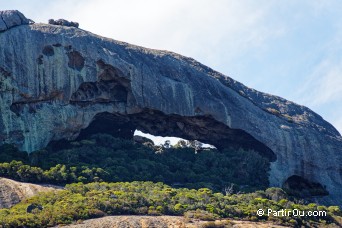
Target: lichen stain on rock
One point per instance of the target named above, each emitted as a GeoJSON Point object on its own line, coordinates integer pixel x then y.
{"type": "Point", "coordinates": [76, 60]}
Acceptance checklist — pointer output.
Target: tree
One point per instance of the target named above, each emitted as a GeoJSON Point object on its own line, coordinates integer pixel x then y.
{"type": "Point", "coordinates": [180, 144]}
{"type": "Point", "coordinates": [167, 144]}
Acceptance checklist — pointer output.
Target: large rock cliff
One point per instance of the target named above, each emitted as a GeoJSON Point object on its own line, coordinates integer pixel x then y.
{"type": "Point", "coordinates": [61, 82]}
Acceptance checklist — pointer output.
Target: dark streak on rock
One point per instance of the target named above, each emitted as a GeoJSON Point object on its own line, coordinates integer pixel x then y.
{"type": "Point", "coordinates": [4, 72]}
{"type": "Point", "coordinates": [40, 60]}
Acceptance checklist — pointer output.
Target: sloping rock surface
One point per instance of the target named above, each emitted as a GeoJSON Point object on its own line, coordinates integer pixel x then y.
{"type": "Point", "coordinates": [12, 192]}
{"type": "Point", "coordinates": [164, 222]}
{"type": "Point", "coordinates": [61, 82]}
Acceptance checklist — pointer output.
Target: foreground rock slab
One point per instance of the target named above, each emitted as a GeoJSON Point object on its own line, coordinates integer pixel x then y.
{"type": "Point", "coordinates": [162, 222]}
{"type": "Point", "coordinates": [12, 192]}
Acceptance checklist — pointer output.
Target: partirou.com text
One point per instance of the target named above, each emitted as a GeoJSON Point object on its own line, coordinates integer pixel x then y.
{"type": "Point", "coordinates": [293, 212]}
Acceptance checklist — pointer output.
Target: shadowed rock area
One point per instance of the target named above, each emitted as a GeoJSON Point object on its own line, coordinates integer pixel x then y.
{"type": "Point", "coordinates": [59, 82]}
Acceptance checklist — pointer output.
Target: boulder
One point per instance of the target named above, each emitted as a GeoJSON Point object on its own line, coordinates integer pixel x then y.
{"type": "Point", "coordinates": [12, 18]}
{"type": "Point", "coordinates": [12, 192]}
{"type": "Point", "coordinates": [63, 22]}
{"type": "Point", "coordinates": [59, 82]}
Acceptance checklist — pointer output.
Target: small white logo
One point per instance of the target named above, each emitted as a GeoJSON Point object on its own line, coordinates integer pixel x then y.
{"type": "Point", "coordinates": [260, 212]}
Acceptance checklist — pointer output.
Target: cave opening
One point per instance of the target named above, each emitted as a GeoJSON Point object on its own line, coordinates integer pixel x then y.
{"type": "Point", "coordinates": [299, 186]}
{"type": "Point", "coordinates": [237, 157]}
{"type": "Point", "coordinates": [201, 128]}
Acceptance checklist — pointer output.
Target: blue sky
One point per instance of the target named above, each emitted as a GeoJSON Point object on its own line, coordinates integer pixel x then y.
{"type": "Point", "coordinates": [291, 48]}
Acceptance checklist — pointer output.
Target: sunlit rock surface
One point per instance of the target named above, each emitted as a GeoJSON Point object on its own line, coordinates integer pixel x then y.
{"type": "Point", "coordinates": [12, 192]}
{"type": "Point", "coordinates": [165, 222]}
{"type": "Point", "coordinates": [63, 82]}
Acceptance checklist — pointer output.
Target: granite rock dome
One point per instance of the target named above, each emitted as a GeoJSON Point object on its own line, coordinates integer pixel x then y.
{"type": "Point", "coordinates": [60, 82]}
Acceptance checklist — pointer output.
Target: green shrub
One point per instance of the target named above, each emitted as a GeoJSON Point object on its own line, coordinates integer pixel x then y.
{"type": "Point", "coordinates": [201, 215]}
{"type": "Point", "coordinates": [84, 201]}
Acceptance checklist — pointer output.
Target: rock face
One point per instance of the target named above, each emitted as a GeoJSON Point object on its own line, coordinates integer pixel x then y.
{"type": "Point", "coordinates": [12, 192]}
{"type": "Point", "coordinates": [60, 82]}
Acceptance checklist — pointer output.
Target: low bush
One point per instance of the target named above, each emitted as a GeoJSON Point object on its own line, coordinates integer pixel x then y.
{"type": "Point", "coordinates": [85, 201]}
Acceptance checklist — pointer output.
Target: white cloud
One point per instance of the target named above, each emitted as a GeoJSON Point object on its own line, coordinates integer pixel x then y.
{"type": "Point", "coordinates": [214, 32]}
{"type": "Point", "coordinates": [338, 124]}
{"type": "Point", "coordinates": [323, 90]}
{"type": "Point", "coordinates": [324, 85]}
